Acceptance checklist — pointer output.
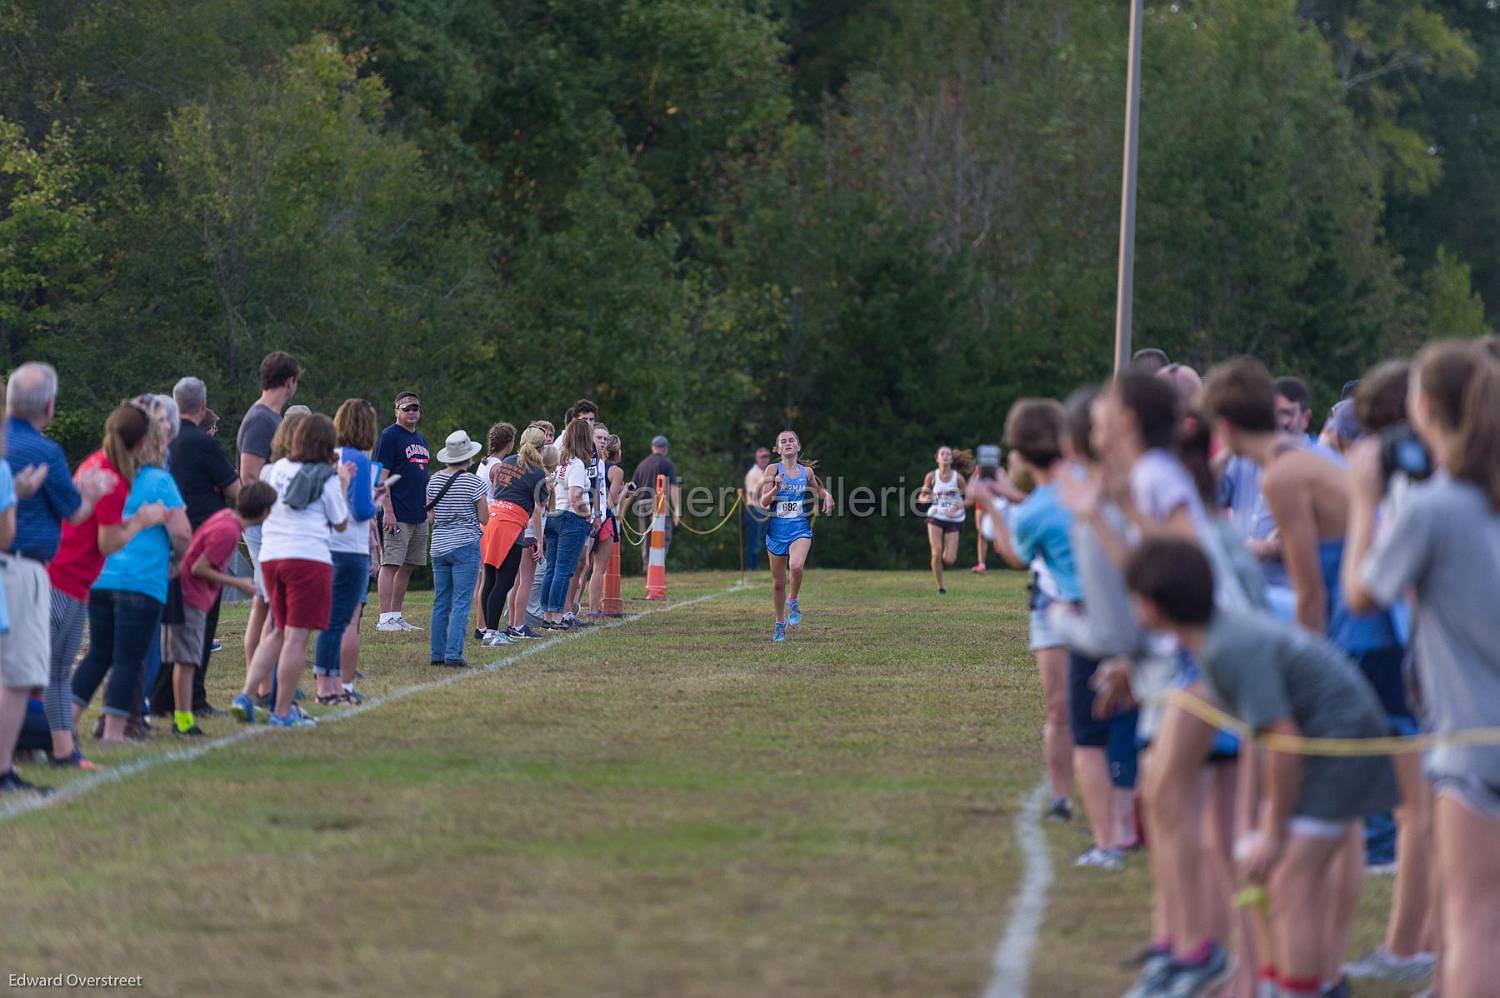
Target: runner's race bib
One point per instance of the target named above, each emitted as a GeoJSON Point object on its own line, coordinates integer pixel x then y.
{"type": "Point", "coordinates": [789, 509]}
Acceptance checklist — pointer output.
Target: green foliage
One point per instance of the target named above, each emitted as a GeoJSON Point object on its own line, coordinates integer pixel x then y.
{"type": "Point", "coordinates": [1382, 51]}
{"type": "Point", "coordinates": [876, 222]}
{"type": "Point", "coordinates": [1453, 307]}
{"type": "Point", "coordinates": [46, 244]}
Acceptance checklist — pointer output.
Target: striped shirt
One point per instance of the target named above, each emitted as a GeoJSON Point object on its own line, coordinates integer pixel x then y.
{"type": "Point", "coordinates": [455, 522]}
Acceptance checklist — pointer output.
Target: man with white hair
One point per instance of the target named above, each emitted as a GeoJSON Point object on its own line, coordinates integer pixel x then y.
{"type": "Point", "coordinates": [208, 483]}
{"type": "Point", "coordinates": [26, 651]}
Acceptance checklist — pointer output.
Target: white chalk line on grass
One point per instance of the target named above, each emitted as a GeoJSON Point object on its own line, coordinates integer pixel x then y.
{"type": "Point", "coordinates": [1012, 964]}
{"type": "Point", "coordinates": [115, 774]}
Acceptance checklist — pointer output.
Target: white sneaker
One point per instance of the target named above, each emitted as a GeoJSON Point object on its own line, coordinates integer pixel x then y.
{"type": "Point", "coordinates": [1383, 965]}
{"type": "Point", "coordinates": [401, 623]}
{"type": "Point", "coordinates": [1101, 859]}
{"type": "Point", "coordinates": [389, 625]}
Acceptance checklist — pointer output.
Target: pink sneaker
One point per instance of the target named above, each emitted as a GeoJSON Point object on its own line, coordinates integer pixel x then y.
{"type": "Point", "coordinates": [981, 568]}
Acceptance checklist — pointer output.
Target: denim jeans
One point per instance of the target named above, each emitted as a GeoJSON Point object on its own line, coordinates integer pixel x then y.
{"type": "Point", "coordinates": [566, 533]}
{"type": "Point", "coordinates": [756, 526]}
{"type": "Point", "coordinates": [351, 580]}
{"type": "Point", "coordinates": [534, 597]}
{"type": "Point", "coordinates": [151, 665]}
{"type": "Point", "coordinates": [120, 627]}
{"type": "Point", "coordinates": [453, 575]}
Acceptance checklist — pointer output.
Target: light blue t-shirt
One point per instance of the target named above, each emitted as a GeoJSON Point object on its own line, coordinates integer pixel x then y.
{"type": "Point", "coordinates": [1043, 526]}
{"type": "Point", "coordinates": [7, 501]}
{"type": "Point", "coordinates": [141, 566]}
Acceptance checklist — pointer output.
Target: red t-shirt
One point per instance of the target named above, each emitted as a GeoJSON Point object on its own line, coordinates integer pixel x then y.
{"type": "Point", "coordinates": [217, 539]}
{"type": "Point", "coordinates": [78, 562]}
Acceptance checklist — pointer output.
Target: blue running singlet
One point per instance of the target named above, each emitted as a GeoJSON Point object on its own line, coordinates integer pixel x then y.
{"type": "Point", "coordinates": [789, 512]}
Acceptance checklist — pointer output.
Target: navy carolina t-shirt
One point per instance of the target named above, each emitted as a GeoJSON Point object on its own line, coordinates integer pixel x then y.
{"type": "Point", "coordinates": [404, 453]}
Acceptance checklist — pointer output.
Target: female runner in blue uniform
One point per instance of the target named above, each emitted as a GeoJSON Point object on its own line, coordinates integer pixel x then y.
{"type": "Point", "coordinates": [788, 487]}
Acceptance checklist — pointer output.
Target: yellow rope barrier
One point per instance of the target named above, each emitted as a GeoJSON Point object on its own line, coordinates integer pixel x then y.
{"type": "Point", "coordinates": [714, 530]}
{"type": "Point", "coordinates": [631, 534]}
{"type": "Point", "coordinates": [1343, 747]}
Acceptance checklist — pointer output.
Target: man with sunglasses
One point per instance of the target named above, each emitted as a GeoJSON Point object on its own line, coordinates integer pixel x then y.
{"type": "Point", "coordinates": [403, 508]}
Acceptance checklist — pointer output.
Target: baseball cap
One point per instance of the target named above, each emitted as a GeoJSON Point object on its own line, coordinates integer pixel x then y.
{"type": "Point", "coordinates": [403, 396]}
{"type": "Point", "coordinates": [658, 441]}
{"type": "Point", "coordinates": [1344, 422]}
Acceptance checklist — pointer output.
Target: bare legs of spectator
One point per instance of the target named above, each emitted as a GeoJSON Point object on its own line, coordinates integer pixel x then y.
{"type": "Point", "coordinates": [1171, 799]}
{"type": "Point", "coordinates": [1304, 889]}
{"type": "Point", "coordinates": [290, 665]}
{"type": "Point", "coordinates": [12, 716]}
{"type": "Point", "coordinates": [522, 589]}
{"type": "Point", "coordinates": [267, 653]}
{"type": "Point", "coordinates": [1346, 879]}
{"type": "Point", "coordinates": [1469, 866]}
{"type": "Point", "coordinates": [603, 552]}
{"type": "Point", "coordinates": [1410, 928]}
{"type": "Point", "coordinates": [182, 684]}
{"type": "Point", "coordinates": [1057, 737]}
{"type": "Point", "coordinates": [1091, 770]}
{"type": "Point", "coordinates": [392, 585]}
{"type": "Point", "coordinates": [259, 612]}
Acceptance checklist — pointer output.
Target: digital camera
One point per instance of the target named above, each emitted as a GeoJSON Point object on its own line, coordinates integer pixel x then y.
{"type": "Point", "coordinates": [988, 456]}
{"type": "Point", "coordinates": [1401, 450]}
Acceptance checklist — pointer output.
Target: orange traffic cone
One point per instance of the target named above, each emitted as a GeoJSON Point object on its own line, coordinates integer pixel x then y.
{"type": "Point", "coordinates": [656, 564]}
{"type": "Point", "coordinates": [613, 606]}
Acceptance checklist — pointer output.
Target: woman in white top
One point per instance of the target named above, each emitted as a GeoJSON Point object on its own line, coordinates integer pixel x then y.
{"type": "Point", "coordinates": [570, 522]}
{"type": "Point", "coordinates": [297, 562]}
{"type": "Point", "coordinates": [943, 490]}
{"type": "Point", "coordinates": [337, 656]}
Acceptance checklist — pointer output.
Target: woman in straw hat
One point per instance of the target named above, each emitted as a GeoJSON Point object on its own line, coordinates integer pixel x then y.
{"type": "Point", "coordinates": [457, 508]}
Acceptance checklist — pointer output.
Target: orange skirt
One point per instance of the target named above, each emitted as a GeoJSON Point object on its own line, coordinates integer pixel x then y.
{"type": "Point", "coordinates": [507, 522]}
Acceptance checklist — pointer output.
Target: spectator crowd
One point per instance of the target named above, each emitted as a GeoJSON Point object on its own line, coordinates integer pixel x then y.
{"type": "Point", "coordinates": [1217, 594]}
{"type": "Point", "coordinates": [113, 574]}
{"type": "Point", "coordinates": [1240, 627]}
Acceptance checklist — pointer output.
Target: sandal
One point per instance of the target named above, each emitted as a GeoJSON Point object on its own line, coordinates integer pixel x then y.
{"type": "Point", "coordinates": [76, 761]}
{"type": "Point", "coordinates": [339, 699]}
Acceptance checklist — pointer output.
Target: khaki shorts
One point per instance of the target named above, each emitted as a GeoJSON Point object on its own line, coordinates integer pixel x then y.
{"type": "Point", "coordinates": [26, 652]}
{"type": "Point", "coordinates": [406, 546]}
{"type": "Point", "coordinates": [184, 642]}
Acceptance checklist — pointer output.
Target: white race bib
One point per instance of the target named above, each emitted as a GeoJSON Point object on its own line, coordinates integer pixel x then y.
{"type": "Point", "coordinates": [789, 509]}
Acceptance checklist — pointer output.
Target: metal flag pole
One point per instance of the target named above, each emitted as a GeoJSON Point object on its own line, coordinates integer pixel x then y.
{"type": "Point", "coordinates": [1125, 290]}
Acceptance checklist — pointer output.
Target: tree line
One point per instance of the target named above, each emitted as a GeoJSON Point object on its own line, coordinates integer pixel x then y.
{"type": "Point", "coordinates": [876, 222]}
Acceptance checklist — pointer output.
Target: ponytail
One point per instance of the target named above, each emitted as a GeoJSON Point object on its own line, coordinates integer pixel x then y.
{"type": "Point", "coordinates": [1460, 381]}
{"type": "Point", "coordinates": [529, 452]}
{"type": "Point", "coordinates": [1477, 458]}
{"type": "Point", "coordinates": [963, 462]}
{"type": "Point", "coordinates": [126, 427]}
{"type": "Point", "coordinates": [1194, 441]}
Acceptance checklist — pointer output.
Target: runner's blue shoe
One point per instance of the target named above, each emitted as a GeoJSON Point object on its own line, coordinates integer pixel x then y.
{"type": "Point", "coordinates": [793, 613]}
{"type": "Point", "coordinates": [780, 634]}
{"type": "Point", "coordinates": [243, 709]}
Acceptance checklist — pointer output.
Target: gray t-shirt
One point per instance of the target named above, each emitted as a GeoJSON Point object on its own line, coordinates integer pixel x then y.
{"type": "Point", "coordinates": [1264, 671]}
{"type": "Point", "coordinates": [256, 430]}
{"type": "Point", "coordinates": [1444, 543]}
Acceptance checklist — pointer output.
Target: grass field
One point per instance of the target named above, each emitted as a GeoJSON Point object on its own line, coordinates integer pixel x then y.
{"type": "Point", "coordinates": [673, 806]}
